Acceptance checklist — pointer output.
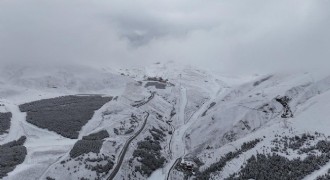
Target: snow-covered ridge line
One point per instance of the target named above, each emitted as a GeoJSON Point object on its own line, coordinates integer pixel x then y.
{"type": "Point", "coordinates": [199, 116]}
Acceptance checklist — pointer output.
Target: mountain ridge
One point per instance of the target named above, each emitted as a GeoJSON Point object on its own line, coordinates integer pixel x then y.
{"type": "Point", "coordinates": [219, 123]}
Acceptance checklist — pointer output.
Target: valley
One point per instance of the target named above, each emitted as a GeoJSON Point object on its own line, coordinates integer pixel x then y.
{"type": "Point", "coordinates": [166, 122]}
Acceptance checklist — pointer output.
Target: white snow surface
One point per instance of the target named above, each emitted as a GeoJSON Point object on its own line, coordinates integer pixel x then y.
{"type": "Point", "coordinates": [198, 129]}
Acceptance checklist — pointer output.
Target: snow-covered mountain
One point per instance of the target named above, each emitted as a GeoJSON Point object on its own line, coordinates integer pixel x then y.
{"type": "Point", "coordinates": [164, 121]}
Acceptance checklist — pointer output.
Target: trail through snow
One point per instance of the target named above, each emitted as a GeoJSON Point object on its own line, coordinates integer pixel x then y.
{"type": "Point", "coordinates": [178, 142]}
{"type": "Point", "coordinates": [16, 127]}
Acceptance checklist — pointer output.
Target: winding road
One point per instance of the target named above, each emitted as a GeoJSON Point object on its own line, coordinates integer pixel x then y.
{"type": "Point", "coordinates": [124, 150]}
{"type": "Point", "coordinates": [145, 102]}
{"type": "Point", "coordinates": [176, 162]}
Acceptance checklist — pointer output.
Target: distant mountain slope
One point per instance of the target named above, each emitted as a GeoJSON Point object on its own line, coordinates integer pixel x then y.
{"type": "Point", "coordinates": [165, 121]}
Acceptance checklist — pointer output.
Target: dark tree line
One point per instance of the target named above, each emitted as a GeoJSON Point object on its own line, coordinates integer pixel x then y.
{"type": "Point", "coordinates": [218, 166]}
{"type": "Point", "coordinates": [11, 155]}
{"type": "Point", "coordinates": [157, 85]}
{"type": "Point", "coordinates": [91, 143]}
{"type": "Point", "coordinates": [5, 122]}
{"type": "Point", "coordinates": [85, 146]}
{"type": "Point", "coordinates": [276, 167]}
{"type": "Point", "coordinates": [157, 134]}
{"type": "Point", "coordinates": [98, 167]}
{"type": "Point", "coordinates": [97, 136]}
{"type": "Point", "coordinates": [65, 115]}
{"type": "Point", "coordinates": [148, 153]}
{"type": "Point", "coordinates": [296, 143]}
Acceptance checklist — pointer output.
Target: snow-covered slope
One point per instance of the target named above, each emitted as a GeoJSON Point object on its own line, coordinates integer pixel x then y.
{"type": "Point", "coordinates": [158, 119]}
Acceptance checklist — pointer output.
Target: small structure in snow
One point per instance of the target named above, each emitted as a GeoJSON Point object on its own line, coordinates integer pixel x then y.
{"type": "Point", "coordinates": [187, 164]}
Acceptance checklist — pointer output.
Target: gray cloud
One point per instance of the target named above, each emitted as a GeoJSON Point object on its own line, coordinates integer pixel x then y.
{"type": "Point", "coordinates": [231, 36]}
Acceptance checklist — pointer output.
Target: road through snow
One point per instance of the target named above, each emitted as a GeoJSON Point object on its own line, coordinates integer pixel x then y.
{"type": "Point", "coordinates": [178, 143]}
{"type": "Point", "coordinates": [177, 149]}
{"type": "Point", "coordinates": [125, 148]}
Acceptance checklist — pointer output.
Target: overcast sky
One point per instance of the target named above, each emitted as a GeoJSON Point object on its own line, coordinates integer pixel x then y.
{"type": "Point", "coordinates": [250, 36]}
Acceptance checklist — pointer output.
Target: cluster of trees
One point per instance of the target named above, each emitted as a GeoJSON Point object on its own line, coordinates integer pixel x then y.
{"type": "Point", "coordinates": [323, 146]}
{"type": "Point", "coordinates": [101, 169]}
{"type": "Point", "coordinates": [294, 143]}
{"type": "Point", "coordinates": [230, 136]}
{"type": "Point", "coordinates": [160, 79]}
{"type": "Point", "coordinates": [11, 155]}
{"type": "Point", "coordinates": [149, 155]}
{"type": "Point", "coordinates": [276, 167]}
{"type": "Point", "coordinates": [97, 136]}
{"type": "Point", "coordinates": [138, 104]}
{"type": "Point", "coordinates": [91, 143]}
{"type": "Point", "coordinates": [101, 165]}
{"type": "Point", "coordinates": [129, 131]}
{"type": "Point", "coordinates": [72, 100]}
{"type": "Point", "coordinates": [218, 166]}
{"type": "Point", "coordinates": [157, 134]}
{"type": "Point", "coordinates": [325, 176]}
{"type": "Point", "coordinates": [122, 130]}
{"type": "Point", "coordinates": [65, 115]}
{"type": "Point", "coordinates": [248, 145]}
{"type": "Point", "coordinates": [297, 142]}
{"type": "Point", "coordinates": [157, 85]}
{"type": "Point", "coordinates": [85, 146]}
{"type": "Point", "coordinates": [5, 122]}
